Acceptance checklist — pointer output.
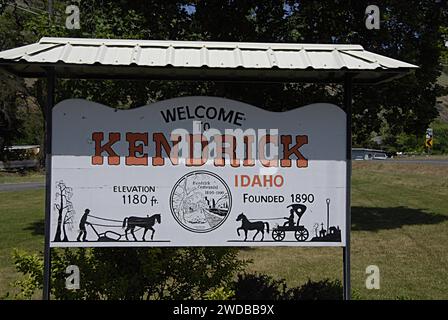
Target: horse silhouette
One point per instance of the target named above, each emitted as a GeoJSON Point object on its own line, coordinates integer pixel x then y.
{"type": "Point", "coordinates": [146, 223]}
{"type": "Point", "coordinates": [246, 225]}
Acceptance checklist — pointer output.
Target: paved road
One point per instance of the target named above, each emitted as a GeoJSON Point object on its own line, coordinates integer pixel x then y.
{"type": "Point", "coordinates": [21, 186]}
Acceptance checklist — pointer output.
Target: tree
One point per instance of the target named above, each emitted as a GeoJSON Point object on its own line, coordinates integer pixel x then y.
{"type": "Point", "coordinates": [412, 35]}
{"type": "Point", "coordinates": [64, 209]}
{"type": "Point", "coordinates": [415, 36]}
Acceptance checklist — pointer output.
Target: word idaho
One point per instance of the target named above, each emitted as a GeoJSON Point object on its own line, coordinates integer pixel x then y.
{"type": "Point", "coordinates": [137, 146]}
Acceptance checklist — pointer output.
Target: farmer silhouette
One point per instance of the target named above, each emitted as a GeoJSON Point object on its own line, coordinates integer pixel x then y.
{"type": "Point", "coordinates": [298, 209]}
{"type": "Point", "coordinates": [82, 226]}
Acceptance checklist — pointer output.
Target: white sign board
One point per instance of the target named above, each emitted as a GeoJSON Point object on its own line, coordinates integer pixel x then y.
{"type": "Point", "coordinates": [197, 171]}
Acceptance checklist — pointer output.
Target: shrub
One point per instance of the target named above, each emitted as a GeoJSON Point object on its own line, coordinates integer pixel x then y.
{"type": "Point", "coordinates": [220, 293]}
{"type": "Point", "coordinates": [132, 273]}
{"type": "Point", "coordinates": [264, 287]}
{"type": "Point", "coordinates": [319, 290]}
{"type": "Point", "coordinates": [31, 265]}
{"type": "Point", "coordinates": [259, 287]}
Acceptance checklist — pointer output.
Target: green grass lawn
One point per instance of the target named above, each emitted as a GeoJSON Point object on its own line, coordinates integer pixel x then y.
{"type": "Point", "coordinates": [21, 226]}
{"type": "Point", "coordinates": [400, 223]}
{"type": "Point", "coordinates": [26, 176]}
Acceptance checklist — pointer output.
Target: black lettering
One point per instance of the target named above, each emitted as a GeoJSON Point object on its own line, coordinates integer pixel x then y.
{"type": "Point", "coordinates": [214, 113]}
{"type": "Point", "coordinates": [168, 117]}
{"type": "Point", "coordinates": [196, 112]}
{"type": "Point", "coordinates": [181, 113]}
{"type": "Point", "coordinates": [225, 117]}
{"type": "Point", "coordinates": [189, 116]}
{"type": "Point", "coordinates": [239, 116]}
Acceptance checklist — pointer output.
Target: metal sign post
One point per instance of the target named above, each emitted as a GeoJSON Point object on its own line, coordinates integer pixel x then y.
{"type": "Point", "coordinates": [48, 152]}
{"type": "Point", "coordinates": [346, 249]}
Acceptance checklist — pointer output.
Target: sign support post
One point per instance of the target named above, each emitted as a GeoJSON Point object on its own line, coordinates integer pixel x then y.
{"type": "Point", "coordinates": [346, 250]}
{"type": "Point", "coordinates": [48, 152]}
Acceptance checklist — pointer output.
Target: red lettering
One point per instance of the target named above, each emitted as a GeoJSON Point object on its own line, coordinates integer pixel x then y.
{"type": "Point", "coordinates": [191, 160]}
{"type": "Point", "coordinates": [265, 140]}
{"type": "Point", "coordinates": [132, 159]}
{"type": "Point", "coordinates": [221, 150]}
{"type": "Point", "coordinates": [112, 158]}
{"type": "Point", "coordinates": [172, 152]}
{"type": "Point", "coordinates": [301, 162]}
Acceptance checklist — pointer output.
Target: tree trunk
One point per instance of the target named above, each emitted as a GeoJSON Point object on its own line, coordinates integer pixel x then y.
{"type": "Point", "coordinates": [65, 233]}
{"type": "Point", "coordinates": [57, 236]}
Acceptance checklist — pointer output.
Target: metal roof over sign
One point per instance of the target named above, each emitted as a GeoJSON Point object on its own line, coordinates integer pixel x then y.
{"type": "Point", "coordinates": [193, 60]}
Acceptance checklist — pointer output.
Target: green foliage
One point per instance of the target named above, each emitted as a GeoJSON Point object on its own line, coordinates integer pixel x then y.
{"type": "Point", "coordinates": [251, 286]}
{"type": "Point", "coordinates": [410, 143]}
{"type": "Point", "coordinates": [415, 143]}
{"type": "Point", "coordinates": [319, 290]}
{"type": "Point", "coordinates": [16, 125]}
{"type": "Point", "coordinates": [115, 274]}
{"type": "Point", "coordinates": [440, 130]}
{"type": "Point", "coordinates": [31, 265]}
{"type": "Point", "coordinates": [356, 294]}
{"type": "Point", "coordinates": [11, 98]}
{"type": "Point", "coordinates": [416, 36]}
{"type": "Point", "coordinates": [31, 130]}
{"type": "Point", "coordinates": [131, 273]}
{"type": "Point", "coordinates": [220, 293]}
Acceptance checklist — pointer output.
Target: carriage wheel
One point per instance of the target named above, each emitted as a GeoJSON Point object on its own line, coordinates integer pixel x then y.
{"type": "Point", "coordinates": [278, 235]}
{"type": "Point", "coordinates": [301, 235]}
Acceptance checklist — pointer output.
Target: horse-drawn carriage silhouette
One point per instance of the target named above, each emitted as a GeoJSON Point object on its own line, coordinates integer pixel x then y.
{"type": "Point", "coordinates": [279, 232]}
{"type": "Point", "coordinates": [300, 232]}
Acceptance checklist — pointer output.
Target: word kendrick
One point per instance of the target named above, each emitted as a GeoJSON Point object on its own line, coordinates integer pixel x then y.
{"type": "Point", "coordinates": [240, 150]}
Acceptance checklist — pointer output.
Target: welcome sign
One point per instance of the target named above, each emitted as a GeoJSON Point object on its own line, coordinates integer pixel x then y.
{"type": "Point", "coordinates": [197, 171]}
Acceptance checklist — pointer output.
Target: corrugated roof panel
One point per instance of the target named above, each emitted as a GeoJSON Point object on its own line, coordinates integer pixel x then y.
{"type": "Point", "coordinates": [199, 44]}
{"type": "Point", "coordinates": [187, 57]}
{"type": "Point", "coordinates": [79, 55]}
{"type": "Point", "coordinates": [66, 51]}
{"type": "Point", "coordinates": [153, 57]}
{"type": "Point", "coordinates": [238, 57]}
{"type": "Point", "coordinates": [289, 60]}
{"type": "Point", "coordinates": [355, 63]}
{"type": "Point", "coordinates": [201, 59]}
{"type": "Point", "coordinates": [49, 55]}
{"type": "Point", "coordinates": [304, 56]}
{"type": "Point", "coordinates": [100, 54]}
{"type": "Point", "coordinates": [220, 58]}
{"type": "Point", "coordinates": [383, 60]}
{"type": "Point", "coordinates": [256, 59]}
{"type": "Point", "coordinates": [136, 53]}
{"type": "Point", "coordinates": [19, 52]}
{"type": "Point", "coordinates": [322, 60]}
{"type": "Point", "coordinates": [339, 61]}
{"type": "Point", "coordinates": [118, 56]}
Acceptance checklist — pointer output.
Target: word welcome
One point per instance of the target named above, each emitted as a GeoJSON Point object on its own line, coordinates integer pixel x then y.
{"type": "Point", "coordinates": [202, 112]}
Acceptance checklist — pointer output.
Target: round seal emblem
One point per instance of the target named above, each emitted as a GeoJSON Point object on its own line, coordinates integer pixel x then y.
{"type": "Point", "coordinates": [200, 201]}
